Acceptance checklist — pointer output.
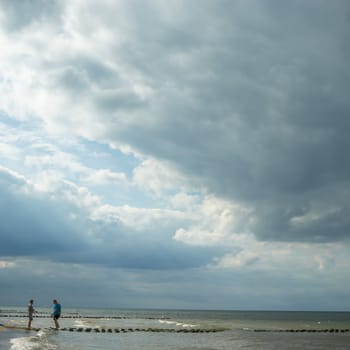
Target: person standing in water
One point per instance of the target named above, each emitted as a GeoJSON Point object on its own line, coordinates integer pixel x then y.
{"type": "Point", "coordinates": [30, 313]}
{"type": "Point", "coordinates": [56, 313]}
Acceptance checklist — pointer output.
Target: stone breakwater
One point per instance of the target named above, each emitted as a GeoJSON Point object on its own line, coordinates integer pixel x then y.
{"type": "Point", "coordinates": [125, 330]}
{"type": "Point", "coordinates": [185, 330]}
{"type": "Point", "coordinates": [182, 330]}
{"type": "Point", "coordinates": [330, 330]}
{"type": "Point", "coordinates": [195, 330]}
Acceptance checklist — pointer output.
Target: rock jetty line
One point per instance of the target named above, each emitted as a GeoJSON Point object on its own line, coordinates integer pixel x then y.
{"type": "Point", "coordinates": [126, 330]}
{"type": "Point", "coordinates": [331, 330]}
{"type": "Point", "coordinates": [193, 330]}
{"type": "Point", "coordinates": [182, 330]}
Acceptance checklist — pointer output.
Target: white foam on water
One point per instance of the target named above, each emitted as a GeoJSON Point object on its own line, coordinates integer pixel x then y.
{"type": "Point", "coordinates": [185, 325]}
{"type": "Point", "coordinates": [25, 343]}
{"type": "Point", "coordinates": [81, 324]}
{"type": "Point", "coordinates": [167, 322]}
{"type": "Point", "coordinates": [178, 324]}
{"type": "Point", "coordinates": [37, 342]}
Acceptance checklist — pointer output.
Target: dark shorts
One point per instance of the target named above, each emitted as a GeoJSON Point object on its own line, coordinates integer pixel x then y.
{"type": "Point", "coordinates": [31, 317]}
{"type": "Point", "coordinates": [56, 316]}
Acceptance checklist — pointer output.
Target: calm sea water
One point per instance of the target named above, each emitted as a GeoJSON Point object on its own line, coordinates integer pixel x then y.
{"type": "Point", "coordinates": [175, 330]}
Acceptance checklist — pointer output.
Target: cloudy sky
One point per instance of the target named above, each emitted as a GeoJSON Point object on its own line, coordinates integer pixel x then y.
{"type": "Point", "coordinates": [175, 154]}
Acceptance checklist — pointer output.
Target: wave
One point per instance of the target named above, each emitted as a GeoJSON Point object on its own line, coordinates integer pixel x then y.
{"type": "Point", "coordinates": [178, 324]}
{"type": "Point", "coordinates": [36, 342]}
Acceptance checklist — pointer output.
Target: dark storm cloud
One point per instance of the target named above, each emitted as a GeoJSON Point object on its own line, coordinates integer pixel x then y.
{"type": "Point", "coordinates": [257, 109]}
{"type": "Point", "coordinates": [250, 98]}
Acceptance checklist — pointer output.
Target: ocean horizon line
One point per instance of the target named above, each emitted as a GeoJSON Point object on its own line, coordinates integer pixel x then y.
{"type": "Point", "coordinates": [69, 306]}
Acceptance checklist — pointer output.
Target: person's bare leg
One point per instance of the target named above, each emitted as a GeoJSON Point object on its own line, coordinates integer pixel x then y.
{"type": "Point", "coordinates": [56, 324]}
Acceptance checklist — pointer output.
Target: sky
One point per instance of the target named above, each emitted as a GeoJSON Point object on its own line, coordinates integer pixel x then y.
{"type": "Point", "coordinates": [175, 154]}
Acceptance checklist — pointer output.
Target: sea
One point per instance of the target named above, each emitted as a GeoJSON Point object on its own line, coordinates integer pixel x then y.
{"type": "Point", "coordinates": [121, 329]}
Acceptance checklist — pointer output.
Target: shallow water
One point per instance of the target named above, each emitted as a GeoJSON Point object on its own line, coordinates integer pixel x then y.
{"type": "Point", "coordinates": [88, 329]}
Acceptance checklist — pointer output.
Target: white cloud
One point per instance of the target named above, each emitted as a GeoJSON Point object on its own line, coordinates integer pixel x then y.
{"type": "Point", "coordinates": [239, 260]}
{"type": "Point", "coordinates": [159, 177]}
{"type": "Point", "coordinates": [11, 152]}
{"type": "Point", "coordinates": [104, 177]}
{"type": "Point", "coordinates": [185, 201]}
{"type": "Point", "coordinates": [298, 259]}
{"type": "Point", "coordinates": [216, 221]}
{"type": "Point", "coordinates": [141, 219]}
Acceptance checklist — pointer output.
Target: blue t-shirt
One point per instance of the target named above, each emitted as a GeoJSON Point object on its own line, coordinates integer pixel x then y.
{"type": "Point", "coordinates": [57, 309]}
